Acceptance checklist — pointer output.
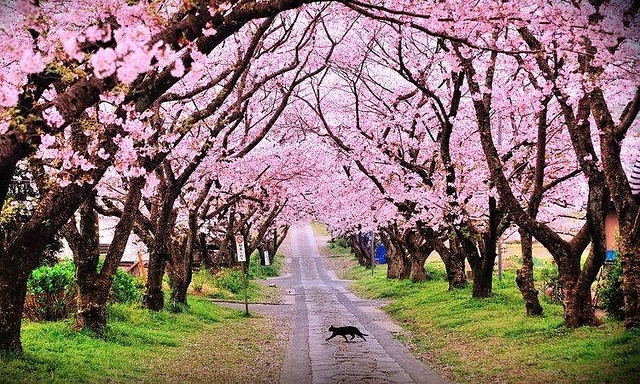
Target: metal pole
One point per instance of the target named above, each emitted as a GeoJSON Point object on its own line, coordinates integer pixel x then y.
{"type": "Point", "coordinates": [373, 251]}
{"type": "Point", "coordinates": [499, 259]}
{"type": "Point", "coordinates": [246, 278]}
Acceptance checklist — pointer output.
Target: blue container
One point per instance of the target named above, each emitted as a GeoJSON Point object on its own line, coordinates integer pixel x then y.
{"type": "Point", "coordinates": [381, 254]}
{"type": "Point", "coordinates": [611, 256]}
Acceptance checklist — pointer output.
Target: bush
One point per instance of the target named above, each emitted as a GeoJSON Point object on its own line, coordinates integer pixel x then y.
{"type": "Point", "coordinates": [611, 291]}
{"type": "Point", "coordinates": [259, 271]}
{"type": "Point", "coordinates": [126, 288]}
{"type": "Point", "coordinates": [551, 281]}
{"type": "Point", "coordinates": [339, 242]}
{"type": "Point", "coordinates": [51, 292]}
{"type": "Point", "coordinates": [198, 279]}
{"type": "Point", "coordinates": [231, 280]}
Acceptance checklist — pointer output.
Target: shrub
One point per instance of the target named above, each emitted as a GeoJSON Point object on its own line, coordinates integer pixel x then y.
{"type": "Point", "coordinates": [611, 291]}
{"type": "Point", "coordinates": [51, 292]}
{"type": "Point", "coordinates": [551, 281]}
{"type": "Point", "coordinates": [230, 279]}
{"type": "Point", "coordinates": [126, 288]}
{"type": "Point", "coordinates": [198, 279]}
{"type": "Point", "coordinates": [339, 242]}
{"type": "Point", "coordinates": [259, 271]}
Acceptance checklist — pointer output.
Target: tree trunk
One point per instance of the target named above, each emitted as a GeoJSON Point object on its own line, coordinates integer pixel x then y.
{"type": "Point", "coordinates": [92, 313]}
{"type": "Point", "coordinates": [153, 298]}
{"type": "Point", "coordinates": [418, 272]}
{"type": "Point", "coordinates": [524, 276]}
{"type": "Point", "coordinates": [13, 285]}
{"type": "Point", "coordinates": [179, 288]}
{"type": "Point", "coordinates": [578, 308]}
{"type": "Point", "coordinates": [360, 250]}
{"type": "Point", "coordinates": [630, 259]}
{"type": "Point", "coordinates": [455, 268]}
{"type": "Point", "coordinates": [482, 280]}
{"type": "Point", "coordinates": [398, 265]}
{"type": "Point", "coordinates": [419, 251]}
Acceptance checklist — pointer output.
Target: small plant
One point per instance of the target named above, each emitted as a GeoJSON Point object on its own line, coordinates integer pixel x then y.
{"type": "Point", "coordinates": [339, 242]}
{"type": "Point", "coordinates": [50, 292]}
{"type": "Point", "coordinates": [198, 279]}
{"type": "Point", "coordinates": [611, 291]}
{"type": "Point", "coordinates": [550, 282]}
{"type": "Point", "coordinates": [259, 271]}
{"type": "Point", "coordinates": [231, 280]}
{"type": "Point", "coordinates": [126, 288]}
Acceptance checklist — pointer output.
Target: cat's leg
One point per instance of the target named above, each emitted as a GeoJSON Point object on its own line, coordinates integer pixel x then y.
{"type": "Point", "coordinates": [331, 337]}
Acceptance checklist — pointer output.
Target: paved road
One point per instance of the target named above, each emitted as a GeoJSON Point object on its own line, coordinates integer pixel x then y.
{"type": "Point", "coordinates": [319, 301]}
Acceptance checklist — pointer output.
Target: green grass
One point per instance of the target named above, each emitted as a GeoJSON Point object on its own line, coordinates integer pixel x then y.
{"type": "Point", "coordinates": [228, 284]}
{"type": "Point", "coordinates": [486, 340]}
{"type": "Point", "coordinates": [138, 346]}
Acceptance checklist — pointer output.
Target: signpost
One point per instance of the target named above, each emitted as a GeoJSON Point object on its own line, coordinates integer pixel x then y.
{"type": "Point", "coordinates": [266, 258]}
{"type": "Point", "coordinates": [242, 258]}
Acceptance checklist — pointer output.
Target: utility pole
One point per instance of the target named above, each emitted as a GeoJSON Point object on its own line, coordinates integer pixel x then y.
{"type": "Point", "coordinates": [373, 250]}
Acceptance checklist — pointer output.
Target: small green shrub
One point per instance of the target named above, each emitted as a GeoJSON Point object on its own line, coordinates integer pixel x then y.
{"type": "Point", "coordinates": [259, 271]}
{"type": "Point", "coordinates": [230, 279]}
{"type": "Point", "coordinates": [198, 279]}
{"type": "Point", "coordinates": [126, 288]}
{"type": "Point", "coordinates": [50, 292]}
{"type": "Point", "coordinates": [339, 242]}
{"type": "Point", "coordinates": [611, 291]}
{"type": "Point", "coordinates": [550, 281]}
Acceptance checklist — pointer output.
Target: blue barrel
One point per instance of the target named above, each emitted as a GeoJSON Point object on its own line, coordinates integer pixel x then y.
{"type": "Point", "coordinates": [381, 254]}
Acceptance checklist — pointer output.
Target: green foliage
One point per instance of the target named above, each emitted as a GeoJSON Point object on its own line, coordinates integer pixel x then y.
{"type": "Point", "coordinates": [550, 281]}
{"type": "Point", "coordinates": [53, 279]}
{"type": "Point", "coordinates": [198, 280]}
{"type": "Point", "coordinates": [339, 242]}
{"type": "Point", "coordinates": [231, 280]}
{"type": "Point", "coordinates": [611, 292]}
{"type": "Point", "coordinates": [258, 271]}
{"type": "Point", "coordinates": [126, 288]}
{"type": "Point", "coordinates": [50, 292]}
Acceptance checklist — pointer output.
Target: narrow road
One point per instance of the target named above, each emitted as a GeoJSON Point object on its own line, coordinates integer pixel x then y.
{"type": "Point", "coordinates": [320, 301]}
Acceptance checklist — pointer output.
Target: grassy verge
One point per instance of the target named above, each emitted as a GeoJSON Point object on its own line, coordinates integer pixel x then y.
{"type": "Point", "coordinates": [145, 346]}
{"type": "Point", "coordinates": [228, 284]}
{"type": "Point", "coordinates": [492, 340]}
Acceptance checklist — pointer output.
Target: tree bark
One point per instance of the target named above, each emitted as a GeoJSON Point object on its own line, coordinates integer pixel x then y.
{"type": "Point", "coordinates": [398, 265]}
{"type": "Point", "coordinates": [524, 276]}
{"type": "Point", "coordinates": [13, 285]}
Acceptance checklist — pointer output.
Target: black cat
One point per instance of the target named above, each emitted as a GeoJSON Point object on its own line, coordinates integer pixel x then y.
{"type": "Point", "coordinates": [344, 331]}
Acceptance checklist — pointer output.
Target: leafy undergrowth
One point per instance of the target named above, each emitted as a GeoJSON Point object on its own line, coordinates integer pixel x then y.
{"type": "Point", "coordinates": [227, 284]}
{"type": "Point", "coordinates": [146, 346]}
{"type": "Point", "coordinates": [492, 340]}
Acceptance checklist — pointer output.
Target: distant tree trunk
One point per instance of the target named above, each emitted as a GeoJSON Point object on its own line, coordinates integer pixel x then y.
{"type": "Point", "coordinates": [453, 257]}
{"type": "Point", "coordinates": [13, 285]}
{"type": "Point", "coordinates": [360, 250]}
{"type": "Point", "coordinates": [483, 271]}
{"type": "Point", "coordinates": [524, 276]}
{"type": "Point", "coordinates": [455, 268]}
{"type": "Point", "coordinates": [179, 271]}
{"type": "Point", "coordinates": [419, 251]}
{"type": "Point", "coordinates": [398, 264]}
